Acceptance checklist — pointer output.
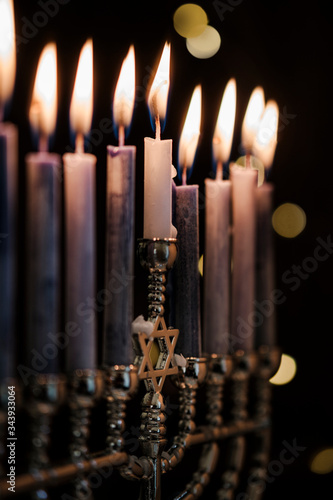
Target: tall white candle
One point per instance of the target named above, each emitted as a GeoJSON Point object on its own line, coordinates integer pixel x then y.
{"type": "Point", "coordinates": [243, 183]}
{"type": "Point", "coordinates": [217, 233]}
{"type": "Point", "coordinates": [80, 235]}
{"type": "Point", "coordinates": [43, 216]}
{"type": "Point", "coordinates": [158, 160]}
{"type": "Point", "coordinates": [118, 312]}
{"type": "Point", "coordinates": [8, 193]}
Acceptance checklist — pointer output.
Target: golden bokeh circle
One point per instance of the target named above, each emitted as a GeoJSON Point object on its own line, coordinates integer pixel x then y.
{"type": "Point", "coordinates": [205, 45]}
{"type": "Point", "coordinates": [289, 220]}
{"type": "Point", "coordinates": [286, 371]}
{"type": "Point", "coordinates": [190, 20]}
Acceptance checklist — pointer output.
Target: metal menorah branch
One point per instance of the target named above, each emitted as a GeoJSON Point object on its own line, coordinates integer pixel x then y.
{"type": "Point", "coordinates": [118, 385]}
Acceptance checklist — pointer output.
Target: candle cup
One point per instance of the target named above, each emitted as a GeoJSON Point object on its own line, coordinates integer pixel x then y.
{"type": "Point", "coordinates": [46, 393]}
{"type": "Point", "coordinates": [84, 388]}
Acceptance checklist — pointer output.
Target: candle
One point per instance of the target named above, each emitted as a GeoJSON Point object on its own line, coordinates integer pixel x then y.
{"type": "Point", "coordinates": [80, 235]}
{"type": "Point", "coordinates": [43, 212]}
{"type": "Point", "coordinates": [264, 147]}
{"type": "Point", "coordinates": [187, 279]}
{"type": "Point", "coordinates": [243, 185]}
{"type": "Point", "coordinates": [118, 313]}
{"type": "Point", "coordinates": [158, 160]}
{"type": "Point", "coordinates": [8, 192]}
{"type": "Point", "coordinates": [217, 234]}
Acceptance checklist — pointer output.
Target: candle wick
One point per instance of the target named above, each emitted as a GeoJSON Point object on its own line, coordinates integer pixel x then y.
{"type": "Point", "coordinates": [248, 160]}
{"type": "Point", "coordinates": [43, 143]}
{"type": "Point", "coordinates": [184, 176]}
{"type": "Point", "coordinates": [219, 171]}
{"type": "Point", "coordinates": [158, 128]}
{"type": "Point", "coordinates": [2, 113]}
{"type": "Point", "coordinates": [79, 143]}
{"type": "Point", "coordinates": [121, 135]}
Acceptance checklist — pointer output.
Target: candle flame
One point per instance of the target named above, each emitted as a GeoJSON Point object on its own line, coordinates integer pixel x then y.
{"type": "Point", "coordinates": [7, 51]}
{"type": "Point", "coordinates": [266, 138]}
{"type": "Point", "coordinates": [158, 95]}
{"type": "Point", "coordinates": [252, 117]}
{"type": "Point", "coordinates": [43, 108]}
{"type": "Point", "coordinates": [124, 95]}
{"type": "Point", "coordinates": [223, 135]}
{"type": "Point", "coordinates": [191, 131]}
{"type": "Point", "coordinates": [82, 99]}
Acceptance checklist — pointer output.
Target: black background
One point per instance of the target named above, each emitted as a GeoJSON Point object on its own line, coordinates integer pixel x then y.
{"type": "Point", "coordinates": [282, 46]}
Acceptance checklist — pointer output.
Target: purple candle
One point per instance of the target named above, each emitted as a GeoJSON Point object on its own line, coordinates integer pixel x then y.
{"type": "Point", "coordinates": [187, 278]}
{"type": "Point", "coordinates": [43, 215]}
{"type": "Point", "coordinates": [8, 206]}
{"type": "Point", "coordinates": [243, 182]}
{"type": "Point", "coordinates": [118, 312]}
{"type": "Point", "coordinates": [265, 279]}
{"type": "Point", "coordinates": [43, 211]}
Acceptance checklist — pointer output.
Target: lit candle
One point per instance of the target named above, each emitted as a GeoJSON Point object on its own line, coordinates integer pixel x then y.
{"type": "Point", "coordinates": [187, 278]}
{"type": "Point", "coordinates": [80, 237]}
{"type": "Point", "coordinates": [217, 233]}
{"type": "Point", "coordinates": [8, 192]}
{"type": "Point", "coordinates": [43, 215]}
{"type": "Point", "coordinates": [264, 148]}
{"type": "Point", "coordinates": [118, 312]}
{"type": "Point", "coordinates": [158, 160]}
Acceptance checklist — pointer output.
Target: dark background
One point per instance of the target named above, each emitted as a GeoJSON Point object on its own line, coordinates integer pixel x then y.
{"type": "Point", "coordinates": [282, 46]}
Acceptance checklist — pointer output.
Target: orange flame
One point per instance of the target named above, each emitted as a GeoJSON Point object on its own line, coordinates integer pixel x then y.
{"type": "Point", "coordinates": [191, 131]}
{"type": "Point", "coordinates": [158, 95]}
{"type": "Point", "coordinates": [252, 118]}
{"type": "Point", "coordinates": [123, 102]}
{"type": "Point", "coordinates": [222, 140]}
{"type": "Point", "coordinates": [43, 108]}
{"type": "Point", "coordinates": [82, 99]}
{"type": "Point", "coordinates": [7, 51]}
{"type": "Point", "coordinates": [266, 138]}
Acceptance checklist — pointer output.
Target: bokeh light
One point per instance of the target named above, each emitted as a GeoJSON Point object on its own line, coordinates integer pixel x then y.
{"type": "Point", "coordinates": [322, 463]}
{"type": "Point", "coordinates": [205, 45]}
{"type": "Point", "coordinates": [289, 220]}
{"type": "Point", "coordinates": [286, 372]}
{"type": "Point", "coordinates": [190, 20]}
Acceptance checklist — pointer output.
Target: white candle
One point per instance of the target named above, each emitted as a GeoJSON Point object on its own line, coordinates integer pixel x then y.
{"type": "Point", "coordinates": [158, 161]}
{"type": "Point", "coordinates": [80, 236]}
{"type": "Point", "coordinates": [243, 182]}
{"type": "Point", "coordinates": [217, 233]}
{"type": "Point", "coordinates": [118, 313]}
{"type": "Point", "coordinates": [8, 193]}
{"type": "Point", "coordinates": [43, 215]}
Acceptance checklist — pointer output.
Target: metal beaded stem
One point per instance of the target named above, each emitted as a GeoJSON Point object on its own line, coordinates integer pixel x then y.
{"type": "Point", "coordinates": [157, 256]}
{"type": "Point", "coordinates": [46, 394]}
{"type": "Point", "coordinates": [244, 364]}
{"type": "Point", "coordinates": [84, 389]}
{"type": "Point", "coordinates": [268, 361]}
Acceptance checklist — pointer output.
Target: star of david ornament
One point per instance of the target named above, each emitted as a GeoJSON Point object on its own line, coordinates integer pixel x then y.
{"type": "Point", "coordinates": [154, 376]}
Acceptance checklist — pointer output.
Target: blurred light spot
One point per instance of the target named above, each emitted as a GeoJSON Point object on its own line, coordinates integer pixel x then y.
{"type": "Point", "coordinates": [205, 45]}
{"type": "Point", "coordinates": [286, 372]}
{"type": "Point", "coordinates": [200, 265]}
{"type": "Point", "coordinates": [154, 353]}
{"type": "Point", "coordinates": [322, 463]}
{"type": "Point", "coordinates": [289, 220]}
{"type": "Point", "coordinates": [256, 164]}
{"type": "Point", "coordinates": [190, 20]}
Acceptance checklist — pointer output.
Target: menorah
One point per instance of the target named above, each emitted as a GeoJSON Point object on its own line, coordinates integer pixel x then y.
{"type": "Point", "coordinates": [248, 402]}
